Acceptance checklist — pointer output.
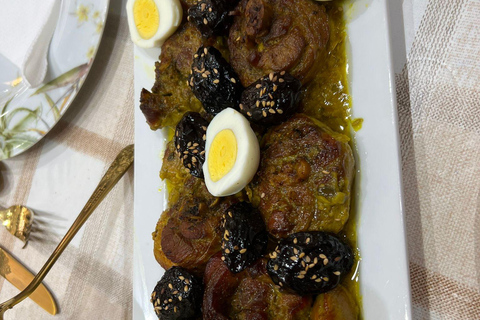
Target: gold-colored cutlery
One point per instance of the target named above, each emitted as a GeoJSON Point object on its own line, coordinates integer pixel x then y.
{"type": "Point", "coordinates": [18, 221]}
{"type": "Point", "coordinates": [117, 169]}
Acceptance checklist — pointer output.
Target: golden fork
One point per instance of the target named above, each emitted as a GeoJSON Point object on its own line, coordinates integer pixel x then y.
{"type": "Point", "coordinates": [119, 166]}
{"type": "Point", "coordinates": [18, 221]}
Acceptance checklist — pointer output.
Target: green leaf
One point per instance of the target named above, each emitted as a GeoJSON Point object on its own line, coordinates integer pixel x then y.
{"type": "Point", "coordinates": [26, 122]}
{"type": "Point", "coordinates": [65, 79]}
{"type": "Point", "coordinates": [3, 116]}
{"type": "Point", "coordinates": [53, 107]}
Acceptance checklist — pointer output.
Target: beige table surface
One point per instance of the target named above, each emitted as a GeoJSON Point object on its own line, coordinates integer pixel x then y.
{"type": "Point", "coordinates": [437, 59]}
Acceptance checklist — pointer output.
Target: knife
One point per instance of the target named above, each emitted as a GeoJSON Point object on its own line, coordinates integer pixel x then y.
{"type": "Point", "coordinates": [20, 277]}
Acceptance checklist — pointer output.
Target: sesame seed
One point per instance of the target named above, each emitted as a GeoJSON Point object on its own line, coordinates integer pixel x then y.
{"type": "Point", "coordinates": [274, 79]}
{"type": "Point", "coordinates": [270, 76]}
{"type": "Point", "coordinates": [293, 258]}
{"type": "Point", "coordinates": [181, 278]}
{"type": "Point", "coordinates": [322, 256]}
{"type": "Point", "coordinates": [280, 284]}
{"type": "Point", "coordinates": [230, 214]}
{"type": "Point", "coordinates": [204, 75]}
{"type": "Point", "coordinates": [282, 73]}
{"type": "Point", "coordinates": [280, 111]}
{"type": "Point", "coordinates": [325, 279]}
{"type": "Point", "coordinates": [227, 251]}
{"type": "Point", "coordinates": [281, 80]}
{"type": "Point", "coordinates": [262, 195]}
{"type": "Point", "coordinates": [257, 103]}
{"type": "Point", "coordinates": [195, 55]}
{"type": "Point", "coordinates": [188, 18]}
{"type": "Point", "coordinates": [326, 172]}
{"type": "Point", "coordinates": [243, 251]}
{"type": "Point", "coordinates": [166, 308]}
{"type": "Point", "coordinates": [325, 262]}
{"type": "Point", "coordinates": [241, 106]}
{"type": "Point", "coordinates": [337, 259]}
{"type": "Point", "coordinates": [194, 159]}
{"type": "Point", "coordinates": [258, 86]}
{"type": "Point", "coordinates": [301, 255]}
{"type": "Point", "coordinates": [301, 276]}
{"type": "Point", "coordinates": [185, 288]}
{"type": "Point", "coordinates": [175, 292]}
{"type": "Point", "coordinates": [205, 50]}
{"type": "Point", "coordinates": [215, 70]}
{"type": "Point", "coordinates": [271, 110]}
{"type": "Point", "coordinates": [264, 113]}
{"type": "Point", "coordinates": [303, 272]}
{"type": "Point", "coordinates": [210, 9]}
{"type": "Point", "coordinates": [238, 39]}
{"type": "Point", "coordinates": [202, 153]}
{"type": "Point", "coordinates": [205, 21]}
{"type": "Point", "coordinates": [223, 258]}
{"type": "Point", "coordinates": [273, 255]}
{"type": "Point", "coordinates": [295, 240]}
{"type": "Point", "coordinates": [337, 273]}
{"type": "Point", "coordinates": [233, 80]}
{"type": "Point", "coordinates": [307, 241]}
{"type": "Point", "coordinates": [170, 300]}
{"type": "Point", "coordinates": [313, 277]}
{"type": "Point", "coordinates": [216, 81]}
{"type": "Point", "coordinates": [303, 263]}
{"type": "Point", "coordinates": [170, 286]}
{"type": "Point", "coordinates": [295, 250]}
{"type": "Point", "coordinates": [307, 259]}
{"type": "Point", "coordinates": [315, 261]}
{"type": "Point", "coordinates": [203, 6]}
{"type": "Point", "coordinates": [204, 137]}
{"type": "Point", "coordinates": [274, 87]}
{"type": "Point", "coordinates": [318, 280]}
{"type": "Point", "coordinates": [204, 128]}
{"type": "Point", "coordinates": [174, 309]}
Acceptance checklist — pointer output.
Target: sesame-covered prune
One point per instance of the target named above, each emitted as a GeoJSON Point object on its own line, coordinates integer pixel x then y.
{"type": "Point", "coordinates": [178, 295]}
{"type": "Point", "coordinates": [212, 16]}
{"type": "Point", "coordinates": [190, 142]}
{"type": "Point", "coordinates": [271, 99]}
{"type": "Point", "coordinates": [245, 237]}
{"type": "Point", "coordinates": [213, 81]}
{"type": "Point", "coordinates": [310, 262]}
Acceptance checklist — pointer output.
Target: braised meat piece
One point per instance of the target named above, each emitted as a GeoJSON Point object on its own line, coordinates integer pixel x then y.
{"type": "Point", "coordinates": [250, 294]}
{"type": "Point", "coordinates": [189, 232]}
{"type": "Point", "coordinates": [337, 304]}
{"type": "Point", "coordinates": [171, 96]}
{"type": "Point", "coordinates": [304, 179]}
{"type": "Point", "coordinates": [275, 35]}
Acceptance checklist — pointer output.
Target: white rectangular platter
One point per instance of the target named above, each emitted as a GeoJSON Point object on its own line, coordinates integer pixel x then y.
{"type": "Point", "coordinates": [384, 277]}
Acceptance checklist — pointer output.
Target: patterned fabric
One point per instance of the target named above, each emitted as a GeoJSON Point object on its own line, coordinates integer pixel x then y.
{"type": "Point", "coordinates": [438, 93]}
{"type": "Point", "coordinates": [92, 278]}
{"type": "Point", "coordinates": [439, 113]}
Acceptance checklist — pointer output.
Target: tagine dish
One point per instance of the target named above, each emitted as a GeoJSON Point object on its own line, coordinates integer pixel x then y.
{"type": "Point", "coordinates": [259, 166]}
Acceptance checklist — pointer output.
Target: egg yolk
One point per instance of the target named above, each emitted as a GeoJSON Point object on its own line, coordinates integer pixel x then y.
{"type": "Point", "coordinates": [145, 14]}
{"type": "Point", "coordinates": [222, 154]}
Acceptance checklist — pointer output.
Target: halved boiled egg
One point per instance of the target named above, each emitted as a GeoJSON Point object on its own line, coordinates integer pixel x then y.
{"type": "Point", "coordinates": [151, 22]}
{"type": "Point", "coordinates": [232, 153]}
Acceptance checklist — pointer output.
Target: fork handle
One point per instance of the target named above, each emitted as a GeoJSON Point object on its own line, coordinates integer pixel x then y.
{"type": "Point", "coordinates": [117, 169]}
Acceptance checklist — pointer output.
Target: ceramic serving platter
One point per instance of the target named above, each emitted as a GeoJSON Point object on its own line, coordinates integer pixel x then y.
{"type": "Point", "coordinates": [27, 114]}
{"type": "Point", "coordinates": [384, 280]}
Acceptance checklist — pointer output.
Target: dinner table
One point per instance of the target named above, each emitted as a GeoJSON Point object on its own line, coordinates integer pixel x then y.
{"type": "Point", "coordinates": [436, 57]}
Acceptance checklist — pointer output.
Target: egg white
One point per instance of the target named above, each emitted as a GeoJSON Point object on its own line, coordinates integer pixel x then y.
{"type": "Point", "coordinates": [170, 16]}
{"type": "Point", "coordinates": [248, 153]}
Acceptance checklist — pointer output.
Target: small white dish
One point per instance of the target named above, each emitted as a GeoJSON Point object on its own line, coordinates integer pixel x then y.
{"type": "Point", "coordinates": [384, 276]}
{"type": "Point", "coordinates": [27, 114]}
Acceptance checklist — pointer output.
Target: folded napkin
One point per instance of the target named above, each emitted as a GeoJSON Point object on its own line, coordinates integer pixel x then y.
{"type": "Point", "coordinates": [26, 30]}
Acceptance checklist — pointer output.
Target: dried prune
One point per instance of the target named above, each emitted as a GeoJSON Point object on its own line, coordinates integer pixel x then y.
{"type": "Point", "coordinates": [213, 81]}
{"type": "Point", "coordinates": [245, 237]}
{"type": "Point", "coordinates": [271, 99]}
{"type": "Point", "coordinates": [190, 142]}
{"type": "Point", "coordinates": [310, 262]}
{"type": "Point", "coordinates": [178, 295]}
{"type": "Point", "coordinates": [212, 16]}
